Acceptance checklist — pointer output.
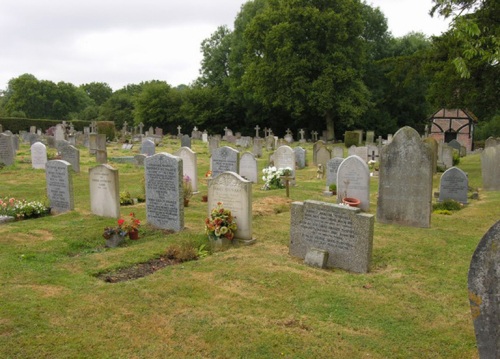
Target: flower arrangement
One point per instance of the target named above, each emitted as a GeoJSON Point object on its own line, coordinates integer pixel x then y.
{"type": "Point", "coordinates": [22, 209]}
{"type": "Point", "coordinates": [110, 231]}
{"type": "Point", "coordinates": [272, 177]}
{"type": "Point", "coordinates": [130, 223]}
{"type": "Point", "coordinates": [221, 223]}
{"type": "Point", "coordinates": [187, 187]}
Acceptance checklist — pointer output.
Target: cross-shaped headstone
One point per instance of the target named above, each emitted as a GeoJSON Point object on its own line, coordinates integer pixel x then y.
{"type": "Point", "coordinates": [141, 126]}
{"type": "Point", "coordinates": [302, 133]}
{"type": "Point", "coordinates": [257, 128]}
{"type": "Point", "coordinates": [179, 130]}
{"type": "Point", "coordinates": [125, 127]}
{"type": "Point", "coordinates": [314, 135]}
{"type": "Point", "coordinates": [265, 131]}
{"type": "Point", "coordinates": [270, 131]}
{"type": "Point", "coordinates": [288, 132]}
{"type": "Point", "coordinates": [195, 128]}
{"type": "Point", "coordinates": [373, 156]}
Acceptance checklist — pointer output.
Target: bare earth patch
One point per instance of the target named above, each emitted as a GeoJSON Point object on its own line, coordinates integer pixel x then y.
{"type": "Point", "coordinates": [271, 205]}
{"type": "Point", "coordinates": [138, 270]}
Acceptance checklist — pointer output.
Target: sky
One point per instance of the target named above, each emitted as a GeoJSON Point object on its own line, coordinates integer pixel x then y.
{"type": "Point", "coordinates": [122, 42]}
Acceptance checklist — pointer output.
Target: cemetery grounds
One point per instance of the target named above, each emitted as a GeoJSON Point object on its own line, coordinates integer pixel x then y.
{"type": "Point", "coordinates": [246, 302]}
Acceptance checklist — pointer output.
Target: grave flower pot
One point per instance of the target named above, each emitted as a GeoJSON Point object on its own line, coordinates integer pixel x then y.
{"type": "Point", "coordinates": [133, 234]}
{"type": "Point", "coordinates": [114, 240]}
{"type": "Point", "coordinates": [219, 243]}
{"type": "Point", "coordinates": [204, 198]}
{"type": "Point", "coordinates": [351, 201]}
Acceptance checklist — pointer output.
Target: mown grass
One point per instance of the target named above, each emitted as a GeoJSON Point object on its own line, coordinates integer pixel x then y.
{"type": "Point", "coordinates": [248, 302]}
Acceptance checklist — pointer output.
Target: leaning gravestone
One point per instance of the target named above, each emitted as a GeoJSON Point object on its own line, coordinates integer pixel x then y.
{"type": "Point", "coordinates": [490, 168]}
{"type": "Point", "coordinates": [353, 181]}
{"type": "Point", "coordinates": [104, 191]}
{"type": "Point", "coordinates": [148, 147]}
{"type": "Point", "coordinates": [224, 159]}
{"type": "Point", "coordinates": [484, 293]}
{"type": "Point", "coordinates": [454, 185]}
{"type": "Point", "coordinates": [189, 165]}
{"type": "Point", "coordinates": [72, 155]}
{"type": "Point", "coordinates": [7, 153]}
{"type": "Point", "coordinates": [248, 167]}
{"type": "Point", "coordinates": [164, 192]}
{"type": "Point", "coordinates": [332, 168]}
{"type": "Point", "coordinates": [300, 157]}
{"type": "Point", "coordinates": [405, 183]}
{"type": "Point", "coordinates": [235, 193]}
{"type": "Point", "coordinates": [344, 232]}
{"type": "Point", "coordinates": [186, 141]}
{"type": "Point", "coordinates": [59, 186]}
{"type": "Point", "coordinates": [38, 155]}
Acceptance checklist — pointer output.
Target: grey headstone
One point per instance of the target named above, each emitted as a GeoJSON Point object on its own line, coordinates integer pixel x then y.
{"type": "Point", "coordinates": [316, 146]}
{"type": "Point", "coordinates": [323, 155]}
{"type": "Point", "coordinates": [484, 293]}
{"type": "Point", "coordinates": [338, 151]}
{"type": "Point", "coordinates": [139, 160]}
{"type": "Point", "coordinates": [370, 137]}
{"type": "Point", "coordinates": [59, 186]}
{"type": "Point", "coordinates": [213, 144]}
{"type": "Point", "coordinates": [446, 157]}
{"type": "Point", "coordinates": [104, 191]}
{"type": "Point", "coordinates": [344, 232]}
{"type": "Point", "coordinates": [300, 157]}
{"type": "Point", "coordinates": [332, 168]}
{"type": "Point", "coordinates": [186, 141]}
{"type": "Point", "coordinates": [38, 155]}
{"type": "Point", "coordinates": [71, 154]}
{"type": "Point", "coordinates": [454, 185]}
{"type": "Point", "coordinates": [455, 144]}
{"type": "Point", "coordinates": [224, 159]}
{"type": "Point", "coordinates": [258, 143]}
{"type": "Point", "coordinates": [248, 167]}
{"type": "Point", "coordinates": [353, 180]}
{"type": "Point", "coordinates": [164, 193]}
{"type": "Point", "coordinates": [490, 168]}
{"type": "Point", "coordinates": [148, 147]}
{"type": "Point", "coordinates": [490, 142]}
{"type": "Point", "coordinates": [316, 258]}
{"type": "Point", "coordinates": [405, 184]}
{"type": "Point", "coordinates": [434, 148]}
{"type": "Point", "coordinates": [235, 193]}
{"type": "Point", "coordinates": [7, 153]}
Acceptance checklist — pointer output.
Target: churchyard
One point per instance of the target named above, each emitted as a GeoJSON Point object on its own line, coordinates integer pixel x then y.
{"type": "Point", "coordinates": [251, 301]}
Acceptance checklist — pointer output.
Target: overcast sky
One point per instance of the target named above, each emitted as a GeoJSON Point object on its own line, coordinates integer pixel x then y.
{"type": "Point", "coordinates": [124, 42]}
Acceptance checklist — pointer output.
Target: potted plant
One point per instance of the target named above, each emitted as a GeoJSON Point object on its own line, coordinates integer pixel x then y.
{"type": "Point", "coordinates": [130, 225]}
{"type": "Point", "coordinates": [114, 235]}
{"type": "Point", "coordinates": [333, 188]}
{"type": "Point", "coordinates": [220, 226]}
{"type": "Point", "coordinates": [187, 188]}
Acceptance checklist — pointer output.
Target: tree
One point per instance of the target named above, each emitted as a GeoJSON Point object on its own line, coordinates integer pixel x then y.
{"type": "Point", "coordinates": [307, 58]}
{"type": "Point", "coordinates": [100, 92]}
{"type": "Point", "coordinates": [475, 25]}
{"type": "Point", "coordinates": [119, 108]}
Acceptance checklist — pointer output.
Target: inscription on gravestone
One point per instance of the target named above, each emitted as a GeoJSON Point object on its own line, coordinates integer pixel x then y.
{"type": "Point", "coordinates": [224, 159]}
{"type": "Point", "coordinates": [454, 185]}
{"type": "Point", "coordinates": [59, 185]}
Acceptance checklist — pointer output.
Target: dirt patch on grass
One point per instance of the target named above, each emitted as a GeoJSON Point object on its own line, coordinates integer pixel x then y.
{"type": "Point", "coordinates": [271, 205]}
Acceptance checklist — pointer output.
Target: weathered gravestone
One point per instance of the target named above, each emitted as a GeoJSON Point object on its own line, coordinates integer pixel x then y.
{"type": "Point", "coordinates": [224, 159]}
{"type": "Point", "coordinates": [445, 155]}
{"type": "Point", "coordinates": [362, 152]}
{"type": "Point", "coordinates": [104, 191]}
{"type": "Point", "coordinates": [323, 155]}
{"type": "Point", "coordinates": [454, 185]}
{"type": "Point", "coordinates": [92, 143]}
{"type": "Point", "coordinates": [258, 143]}
{"type": "Point", "coordinates": [344, 232]}
{"type": "Point", "coordinates": [189, 165]}
{"type": "Point", "coordinates": [484, 293]}
{"type": "Point", "coordinates": [300, 157]}
{"type": "Point", "coordinates": [7, 153]}
{"type": "Point", "coordinates": [490, 168]}
{"type": "Point", "coordinates": [164, 192]}
{"type": "Point", "coordinates": [455, 144]}
{"type": "Point", "coordinates": [72, 155]}
{"type": "Point", "coordinates": [59, 186]}
{"type": "Point", "coordinates": [353, 181]}
{"type": "Point", "coordinates": [332, 168]}
{"type": "Point", "coordinates": [316, 146]}
{"type": "Point", "coordinates": [284, 157]}
{"type": "Point", "coordinates": [139, 160]}
{"type": "Point", "coordinates": [434, 148]}
{"type": "Point", "coordinates": [148, 147]}
{"type": "Point", "coordinates": [186, 141]}
{"type": "Point", "coordinates": [248, 167]}
{"type": "Point", "coordinates": [235, 193]}
{"type": "Point", "coordinates": [338, 151]}
{"type": "Point", "coordinates": [38, 155]}
{"type": "Point", "coordinates": [490, 142]}
{"type": "Point", "coordinates": [213, 144]}
{"type": "Point", "coordinates": [370, 137]}
{"type": "Point", "coordinates": [405, 184]}
{"type": "Point", "coordinates": [33, 137]}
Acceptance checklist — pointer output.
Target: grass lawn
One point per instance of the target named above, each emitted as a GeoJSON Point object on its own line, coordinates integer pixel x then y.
{"type": "Point", "coordinates": [247, 302]}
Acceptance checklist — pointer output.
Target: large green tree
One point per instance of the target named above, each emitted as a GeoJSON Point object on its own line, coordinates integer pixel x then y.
{"type": "Point", "coordinates": [307, 57]}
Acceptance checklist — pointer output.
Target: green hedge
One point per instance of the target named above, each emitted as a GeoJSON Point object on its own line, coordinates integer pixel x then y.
{"type": "Point", "coordinates": [17, 124]}
{"type": "Point", "coordinates": [107, 128]}
{"type": "Point", "coordinates": [351, 138]}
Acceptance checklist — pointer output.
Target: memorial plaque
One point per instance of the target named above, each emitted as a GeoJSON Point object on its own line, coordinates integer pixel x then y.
{"type": "Point", "coordinates": [344, 232]}
{"type": "Point", "coordinates": [353, 180]}
{"type": "Point", "coordinates": [236, 195]}
{"type": "Point", "coordinates": [454, 185]}
{"type": "Point", "coordinates": [189, 165]}
{"type": "Point", "coordinates": [332, 168]}
{"type": "Point", "coordinates": [248, 167]}
{"type": "Point", "coordinates": [164, 191]}
{"type": "Point", "coordinates": [224, 159]}
{"type": "Point", "coordinates": [484, 293]}
{"type": "Point", "coordinates": [59, 186]}
{"type": "Point", "coordinates": [72, 155]}
{"type": "Point", "coordinates": [38, 155]}
{"type": "Point", "coordinates": [104, 191]}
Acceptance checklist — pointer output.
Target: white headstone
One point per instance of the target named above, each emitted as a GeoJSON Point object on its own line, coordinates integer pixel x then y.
{"type": "Point", "coordinates": [104, 191]}
{"type": "Point", "coordinates": [284, 157]}
{"type": "Point", "coordinates": [353, 180]}
{"type": "Point", "coordinates": [38, 155]}
{"type": "Point", "coordinates": [189, 165]}
{"type": "Point", "coordinates": [248, 167]}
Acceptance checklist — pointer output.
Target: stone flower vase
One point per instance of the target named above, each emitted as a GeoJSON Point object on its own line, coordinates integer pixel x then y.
{"type": "Point", "coordinates": [133, 234]}
{"type": "Point", "coordinates": [219, 243]}
{"type": "Point", "coordinates": [114, 240]}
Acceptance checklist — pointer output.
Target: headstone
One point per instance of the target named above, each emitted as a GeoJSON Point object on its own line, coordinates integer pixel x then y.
{"type": "Point", "coordinates": [204, 136]}
{"type": "Point", "coordinates": [351, 151]}
{"type": "Point", "coordinates": [434, 148]}
{"type": "Point", "coordinates": [370, 137]}
{"type": "Point", "coordinates": [248, 167]}
{"type": "Point", "coordinates": [104, 191]}
{"type": "Point", "coordinates": [159, 132]}
{"type": "Point", "coordinates": [164, 191]}
{"type": "Point", "coordinates": [213, 144]}
{"type": "Point", "coordinates": [332, 168]}
{"type": "Point", "coordinates": [257, 147]}
{"type": "Point", "coordinates": [284, 157]}
{"type": "Point", "coordinates": [353, 180]}
{"type": "Point", "coordinates": [139, 160]}
{"type": "Point", "coordinates": [186, 141]}
{"type": "Point", "coordinates": [7, 153]}
{"type": "Point", "coordinates": [323, 155]}
{"type": "Point", "coordinates": [38, 155]}
{"type": "Point", "coordinates": [71, 154]}
{"type": "Point", "coordinates": [490, 142]}
{"type": "Point", "coordinates": [405, 183]}
{"type": "Point", "coordinates": [372, 153]}
{"type": "Point", "coordinates": [235, 193]}
{"type": "Point", "coordinates": [447, 156]}
{"type": "Point", "coordinates": [490, 168]}
{"type": "Point", "coordinates": [59, 133]}
{"type": "Point", "coordinates": [148, 147]}
{"type": "Point", "coordinates": [362, 152]}
{"type": "Point", "coordinates": [189, 165]}
{"type": "Point", "coordinates": [344, 232]}
{"type": "Point", "coordinates": [59, 186]}
{"type": "Point", "coordinates": [316, 147]}
{"type": "Point", "coordinates": [32, 138]}
{"type": "Point", "coordinates": [270, 143]}
{"type": "Point", "coordinates": [454, 185]}
{"type": "Point", "coordinates": [484, 293]}
{"type": "Point", "coordinates": [455, 144]}
{"type": "Point", "coordinates": [300, 157]}
{"type": "Point", "coordinates": [92, 143]}
{"type": "Point", "coordinates": [224, 159]}
{"type": "Point", "coordinates": [338, 151]}
{"type": "Point", "coordinates": [302, 133]}
{"type": "Point", "coordinates": [101, 156]}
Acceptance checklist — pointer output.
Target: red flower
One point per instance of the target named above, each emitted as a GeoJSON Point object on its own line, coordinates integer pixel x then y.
{"type": "Point", "coordinates": [121, 221]}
